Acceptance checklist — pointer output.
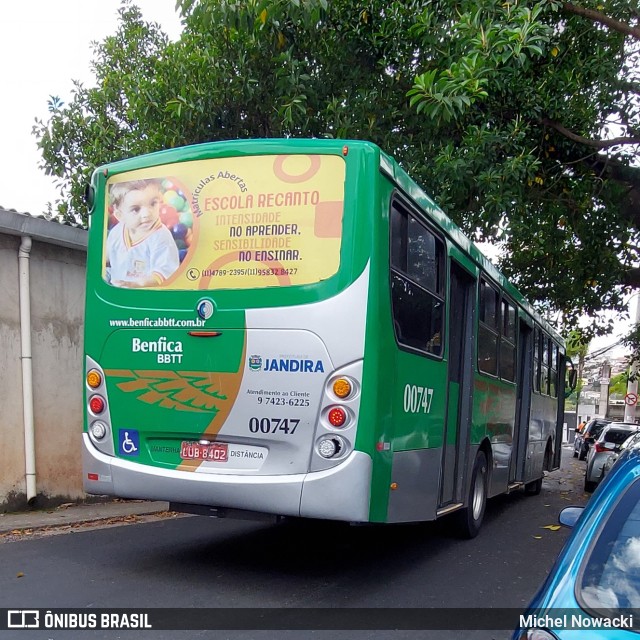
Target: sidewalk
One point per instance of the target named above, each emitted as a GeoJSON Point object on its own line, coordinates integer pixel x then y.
{"type": "Point", "coordinates": [71, 514]}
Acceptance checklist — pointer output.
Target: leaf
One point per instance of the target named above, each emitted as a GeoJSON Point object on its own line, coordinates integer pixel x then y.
{"type": "Point", "coordinates": [552, 527]}
{"type": "Point", "coordinates": [538, 537]}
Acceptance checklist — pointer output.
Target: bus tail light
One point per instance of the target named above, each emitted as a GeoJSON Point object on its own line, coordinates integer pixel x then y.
{"type": "Point", "coordinates": [342, 387]}
{"type": "Point", "coordinates": [94, 379]}
{"type": "Point", "coordinates": [98, 430]}
{"type": "Point", "coordinates": [337, 417]}
{"type": "Point", "coordinates": [331, 446]}
{"type": "Point", "coordinates": [96, 404]}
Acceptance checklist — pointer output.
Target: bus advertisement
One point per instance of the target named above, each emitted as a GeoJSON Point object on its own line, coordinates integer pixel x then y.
{"type": "Point", "coordinates": [293, 328]}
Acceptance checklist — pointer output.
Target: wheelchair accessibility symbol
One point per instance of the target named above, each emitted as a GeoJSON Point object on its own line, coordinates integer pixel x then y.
{"type": "Point", "coordinates": [129, 442]}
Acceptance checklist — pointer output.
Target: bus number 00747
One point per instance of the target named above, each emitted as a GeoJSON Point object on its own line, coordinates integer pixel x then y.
{"type": "Point", "coordinates": [273, 425]}
{"type": "Point", "coordinates": [417, 399]}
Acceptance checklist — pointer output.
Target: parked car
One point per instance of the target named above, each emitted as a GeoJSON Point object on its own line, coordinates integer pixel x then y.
{"type": "Point", "coordinates": [591, 431]}
{"type": "Point", "coordinates": [631, 441]}
{"type": "Point", "coordinates": [607, 445]}
{"type": "Point", "coordinates": [597, 574]}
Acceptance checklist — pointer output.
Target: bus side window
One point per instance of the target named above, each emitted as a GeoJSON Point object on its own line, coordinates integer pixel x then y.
{"type": "Point", "coordinates": [417, 283]}
{"type": "Point", "coordinates": [544, 366]}
{"type": "Point", "coordinates": [508, 343]}
{"type": "Point", "coordinates": [536, 360]}
{"type": "Point", "coordinates": [553, 375]}
{"type": "Point", "coordinates": [488, 329]}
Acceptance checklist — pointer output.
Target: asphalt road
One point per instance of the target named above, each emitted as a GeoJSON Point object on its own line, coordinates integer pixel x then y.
{"type": "Point", "coordinates": [196, 563]}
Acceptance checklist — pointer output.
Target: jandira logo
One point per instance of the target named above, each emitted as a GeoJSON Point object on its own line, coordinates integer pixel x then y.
{"type": "Point", "coordinates": [292, 365]}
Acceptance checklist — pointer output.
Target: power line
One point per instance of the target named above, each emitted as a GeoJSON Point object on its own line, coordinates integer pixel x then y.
{"type": "Point", "coordinates": [602, 351]}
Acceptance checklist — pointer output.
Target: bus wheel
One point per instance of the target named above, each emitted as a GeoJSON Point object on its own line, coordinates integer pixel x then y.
{"type": "Point", "coordinates": [470, 518]}
{"type": "Point", "coordinates": [548, 458]}
{"type": "Point", "coordinates": [533, 488]}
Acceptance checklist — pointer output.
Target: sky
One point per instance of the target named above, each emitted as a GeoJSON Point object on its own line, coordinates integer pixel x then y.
{"type": "Point", "coordinates": [45, 44]}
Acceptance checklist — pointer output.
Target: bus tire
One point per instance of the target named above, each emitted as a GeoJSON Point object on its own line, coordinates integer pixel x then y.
{"type": "Point", "coordinates": [533, 488]}
{"type": "Point", "coordinates": [548, 458]}
{"type": "Point", "coordinates": [470, 518]}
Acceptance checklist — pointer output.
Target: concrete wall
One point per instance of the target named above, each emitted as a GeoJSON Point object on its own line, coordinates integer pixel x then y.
{"type": "Point", "coordinates": [11, 422]}
{"type": "Point", "coordinates": [57, 285]}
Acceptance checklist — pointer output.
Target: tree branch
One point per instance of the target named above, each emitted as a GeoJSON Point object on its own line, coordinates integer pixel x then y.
{"type": "Point", "coordinates": [594, 144]}
{"type": "Point", "coordinates": [597, 16]}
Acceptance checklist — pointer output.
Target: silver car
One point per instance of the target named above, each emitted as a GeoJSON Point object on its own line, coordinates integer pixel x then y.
{"type": "Point", "coordinates": [631, 441]}
{"type": "Point", "coordinates": [605, 447]}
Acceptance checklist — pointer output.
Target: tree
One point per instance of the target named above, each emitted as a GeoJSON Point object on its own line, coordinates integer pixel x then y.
{"type": "Point", "coordinates": [535, 91]}
{"type": "Point", "coordinates": [577, 346]}
{"type": "Point", "coordinates": [618, 385]}
{"type": "Point", "coordinates": [520, 118]}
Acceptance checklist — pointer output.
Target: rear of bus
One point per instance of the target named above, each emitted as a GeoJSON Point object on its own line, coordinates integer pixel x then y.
{"type": "Point", "coordinates": [226, 371]}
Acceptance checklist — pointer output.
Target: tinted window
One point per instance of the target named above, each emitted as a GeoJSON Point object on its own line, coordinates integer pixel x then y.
{"type": "Point", "coordinates": [508, 342]}
{"type": "Point", "coordinates": [507, 361]}
{"type": "Point", "coordinates": [544, 364]}
{"type": "Point", "coordinates": [596, 428]}
{"type": "Point", "coordinates": [553, 375]}
{"type": "Point", "coordinates": [610, 574]}
{"type": "Point", "coordinates": [487, 350]}
{"type": "Point", "coordinates": [398, 240]}
{"type": "Point", "coordinates": [497, 353]}
{"type": "Point", "coordinates": [417, 259]}
{"type": "Point", "coordinates": [615, 436]}
{"type": "Point", "coordinates": [423, 257]}
{"type": "Point", "coordinates": [508, 321]}
{"type": "Point", "coordinates": [536, 360]}
{"type": "Point", "coordinates": [417, 316]}
{"type": "Point", "coordinates": [488, 336]}
{"type": "Point", "coordinates": [488, 305]}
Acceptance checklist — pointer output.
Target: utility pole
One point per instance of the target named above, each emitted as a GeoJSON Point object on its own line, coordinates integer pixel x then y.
{"type": "Point", "coordinates": [581, 356]}
{"type": "Point", "coordinates": [632, 384]}
{"type": "Point", "coordinates": [605, 379]}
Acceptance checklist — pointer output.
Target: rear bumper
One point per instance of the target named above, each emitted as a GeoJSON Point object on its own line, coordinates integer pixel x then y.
{"type": "Point", "coordinates": [340, 493]}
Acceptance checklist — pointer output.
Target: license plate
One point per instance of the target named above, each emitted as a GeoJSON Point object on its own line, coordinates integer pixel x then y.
{"type": "Point", "coordinates": [215, 452]}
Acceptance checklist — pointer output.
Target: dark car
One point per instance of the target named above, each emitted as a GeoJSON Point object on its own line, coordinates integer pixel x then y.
{"type": "Point", "coordinates": [605, 447]}
{"type": "Point", "coordinates": [590, 433]}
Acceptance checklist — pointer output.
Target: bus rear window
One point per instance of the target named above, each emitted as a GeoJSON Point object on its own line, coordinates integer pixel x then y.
{"type": "Point", "coordinates": [226, 223]}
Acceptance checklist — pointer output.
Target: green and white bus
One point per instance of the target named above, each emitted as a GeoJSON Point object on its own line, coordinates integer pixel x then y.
{"type": "Point", "coordinates": [294, 328]}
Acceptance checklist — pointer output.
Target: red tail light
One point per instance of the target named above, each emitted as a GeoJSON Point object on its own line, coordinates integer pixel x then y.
{"type": "Point", "coordinates": [96, 404]}
{"type": "Point", "coordinates": [600, 448]}
{"type": "Point", "coordinates": [337, 416]}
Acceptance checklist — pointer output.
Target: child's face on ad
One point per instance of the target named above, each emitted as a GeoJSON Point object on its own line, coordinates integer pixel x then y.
{"type": "Point", "coordinates": [140, 209]}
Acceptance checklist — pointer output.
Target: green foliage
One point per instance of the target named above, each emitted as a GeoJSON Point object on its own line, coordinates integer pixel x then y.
{"type": "Point", "coordinates": [577, 345]}
{"type": "Point", "coordinates": [618, 385]}
{"type": "Point", "coordinates": [498, 108]}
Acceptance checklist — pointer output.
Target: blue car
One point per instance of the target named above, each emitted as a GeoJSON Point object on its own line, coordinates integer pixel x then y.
{"type": "Point", "coordinates": [593, 590]}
